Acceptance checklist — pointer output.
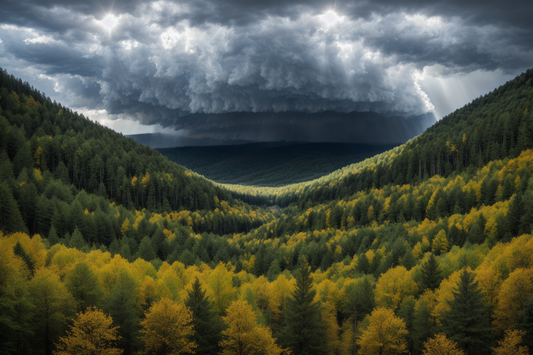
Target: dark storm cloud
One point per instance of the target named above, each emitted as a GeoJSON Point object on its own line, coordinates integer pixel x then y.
{"type": "Point", "coordinates": [193, 65]}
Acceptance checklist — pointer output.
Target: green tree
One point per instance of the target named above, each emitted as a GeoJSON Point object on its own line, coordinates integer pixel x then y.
{"type": "Point", "coordinates": [206, 321]}
{"type": "Point", "coordinates": [122, 307]}
{"type": "Point", "coordinates": [146, 250]}
{"type": "Point", "coordinates": [303, 333]}
{"type": "Point", "coordinates": [54, 305]}
{"type": "Point", "coordinates": [84, 286]}
{"type": "Point", "coordinates": [430, 274]}
{"type": "Point", "coordinates": [467, 322]}
{"type": "Point", "coordinates": [10, 217]}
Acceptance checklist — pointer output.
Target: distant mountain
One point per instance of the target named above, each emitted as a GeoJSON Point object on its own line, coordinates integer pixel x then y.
{"type": "Point", "coordinates": [270, 164]}
{"type": "Point", "coordinates": [164, 140]}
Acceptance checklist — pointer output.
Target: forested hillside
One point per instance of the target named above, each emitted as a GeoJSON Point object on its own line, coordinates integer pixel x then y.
{"type": "Point", "coordinates": [270, 164]}
{"type": "Point", "coordinates": [432, 238]}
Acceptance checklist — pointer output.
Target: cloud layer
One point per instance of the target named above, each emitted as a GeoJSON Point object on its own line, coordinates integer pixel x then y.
{"type": "Point", "coordinates": [179, 64]}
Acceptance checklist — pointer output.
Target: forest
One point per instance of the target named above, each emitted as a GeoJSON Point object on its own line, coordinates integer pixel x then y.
{"type": "Point", "coordinates": [108, 247]}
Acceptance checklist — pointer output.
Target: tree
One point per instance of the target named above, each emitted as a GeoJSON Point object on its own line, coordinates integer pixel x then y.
{"type": "Point", "coordinates": [91, 334]}
{"type": "Point", "coordinates": [146, 250]}
{"type": "Point", "coordinates": [243, 335]}
{"type": "Point", "coordinates": [10, 217]}
{"type": "Point", "coordinates": [440, 243]}
{"type": "Point", "coordinates": [385, 334]}
{"type": "Point", "coordinates": [467, 321]}
{"type": "Point", "coordinates": [84, 286]}
{"type": "Point", "coordinates": [394, 286]}
{"type": "Point", "coordinates": [440, 345]}
{"type": "Point", "coordinates": [514, 294]}
{"type": "Point", "coordinates": [430, 274]}
{"type": "Point", "coordinates": [54, 305]}
{"type": "Point", "coordinates": [121, 305]}
{"type": "Point", "coordinates": [206, 322]}
{"type": "Point", "coordinates": [303, 332]}
{"type": "Point", "coordinates": [510, 345]}
{"type": "Point", "coordinates": [167, 329]}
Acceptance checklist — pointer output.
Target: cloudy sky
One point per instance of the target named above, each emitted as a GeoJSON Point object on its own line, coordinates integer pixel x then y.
{"type": "Point", "coordinates": [217, 68]}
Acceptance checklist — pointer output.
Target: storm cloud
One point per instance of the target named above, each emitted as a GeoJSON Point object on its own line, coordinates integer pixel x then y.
{"type": "Point", "coordinates": [200, 66]}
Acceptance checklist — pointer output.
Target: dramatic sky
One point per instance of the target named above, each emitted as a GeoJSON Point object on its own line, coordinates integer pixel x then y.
{"type": "Point", "coordinates": [203, 67]}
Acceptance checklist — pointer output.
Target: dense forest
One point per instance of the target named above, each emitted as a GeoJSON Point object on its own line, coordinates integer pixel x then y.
{"type": "Point", "coordinates": [270, 164]}
{"type": "Point", "coordinates": [108, 247]}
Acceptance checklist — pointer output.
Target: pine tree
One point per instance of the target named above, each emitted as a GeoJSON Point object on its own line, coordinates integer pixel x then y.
{"type": "Point", "coordinates": [303, 333]}
{"type": "Point", "coordinates": [84, 286]}
{"type": "Point", "coordinates": [52, 236]}
{"type": "Point", "coordinates": [206, 322]}
{"type": "Point", "coordinates": [516, 209]}
{"type": "Point", "coordinates": [122, 307]}
{"type": "Point", "coordinates": [77, 240]}
{"type": "Point", "coordinates": [430, 275]}
{"type": "Point", "coordinates": [10, 217]}
{"type": "Point", "coordinates": [146, 250]}
{"type": "Point", "coordinates": [363, 265]}
{"type": "Point", "coordinates": [467, 322]}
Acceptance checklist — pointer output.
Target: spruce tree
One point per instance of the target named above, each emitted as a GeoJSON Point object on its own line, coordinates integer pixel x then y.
{"type": "Point", "coordinates": [468, 322]}
{"type": "Point", "coordinates": [303, 332]}
{"type": "Point", "coordinates": [206, 322]}
{"type": "Point", "coordinates": [430, 275]}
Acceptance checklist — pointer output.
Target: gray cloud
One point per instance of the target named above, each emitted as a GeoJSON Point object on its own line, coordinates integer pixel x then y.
{"type": "Point", "coordinates": [191, 65]}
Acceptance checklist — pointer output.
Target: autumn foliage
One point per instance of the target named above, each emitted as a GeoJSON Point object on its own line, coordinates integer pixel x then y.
{"type": "Point", "coordinates": [92, 333]}
{"type": "Point", "coordinates": [167, 328]}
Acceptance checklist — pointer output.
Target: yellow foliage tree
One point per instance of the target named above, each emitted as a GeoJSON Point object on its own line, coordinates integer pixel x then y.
{"type": "Point", "coordinates": [329, 320]}
{"type": "Point", "coordinates": [510, 345]}
{"type": "Point", "coordinates": [91, 334]}
{"type": "Point", "coordinates": [385, 334]}
{"type": "Point", "coordinates": [125, 227]}
{"type": "Point", "coordinates": [440, 243]}
{"type": "Point", "coordinates": [243, 335]}
{"type": "Point", "coordinates": [167, 329]}
{"type": "Point", "coordinates": [221, 288]}
{"type": "Point", "coordinates": [394, 286]}
{"type": "Point", "coordinates": [440, 345]}
{"type": "Point", "coordinates": [514, 293]}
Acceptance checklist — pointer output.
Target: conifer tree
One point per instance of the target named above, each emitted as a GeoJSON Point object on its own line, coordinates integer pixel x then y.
{"type": "Point", "coordinates": [206, 322]}
{"type": "Point", "coordinates": [363, 266]}
{"type": "Point", "coordinates": [303, 333]}
{"type": "Point", "coordinates": [430, 275]}
{"type": "Point", "coordinates": [146, 250]}
{"type": "Point", "coordinates": [122, 307]}
{"type": "Point", "coordinates": [84, 286]}
{"type": "Point", "coordinates": [467, 322]}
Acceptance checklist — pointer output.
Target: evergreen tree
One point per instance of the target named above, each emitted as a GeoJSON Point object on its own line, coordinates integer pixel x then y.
{"type": "Point", "coordinates": [363, 265]}
{"type": "Point", "coordinates": [206, 322]}
{"type": "Point", "coordinates": [84, 286]}
{"type": "Point", "coordinates": [77, 241]}
{"type": "Point", "coordinates": [10, 217]}
{"type": "Point", "coordinates": [525, 323]}
{"type": "Point", "coordinates": [467, 322]}
{"type": "Point", "coordinates": [122, 307]}
{"type": "Point", "coordinates": [146, 250]}
{"type": "Point", "coordinates": [430, 275]}
{"type": "Point", "coordinates": [516, 209]}
{"type": "Point", "coordinates": [52, 236]}
{"type": "Point", "coordinates": [303, 332]}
